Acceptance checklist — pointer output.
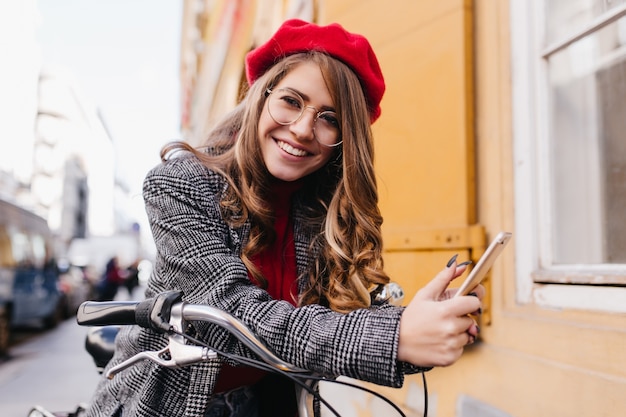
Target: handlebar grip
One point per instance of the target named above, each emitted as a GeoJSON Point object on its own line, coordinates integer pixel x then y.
{"type": "Point", "coordinates": [154, 313]}
{"type": "Point", "coordinates": [151, 313]}
{"type": "Point", "coordinates": [103, 313]}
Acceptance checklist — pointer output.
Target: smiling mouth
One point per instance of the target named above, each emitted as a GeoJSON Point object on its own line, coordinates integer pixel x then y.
{"type": "Point", "coordinates": [290, 149]}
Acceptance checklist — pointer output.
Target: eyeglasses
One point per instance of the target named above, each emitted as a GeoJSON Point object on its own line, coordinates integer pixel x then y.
{"type": "Point", "coordinates": [285, 107]}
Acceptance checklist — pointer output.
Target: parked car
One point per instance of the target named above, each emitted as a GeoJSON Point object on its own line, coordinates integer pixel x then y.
{"type": "Point", "coordinates": [29, 278]}
{"type": "Point", "coordinates": [77, 285]}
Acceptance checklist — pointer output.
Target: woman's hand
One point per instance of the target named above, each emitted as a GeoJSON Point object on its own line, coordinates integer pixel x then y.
{"type": "Point", "coordinates": [435, 327]}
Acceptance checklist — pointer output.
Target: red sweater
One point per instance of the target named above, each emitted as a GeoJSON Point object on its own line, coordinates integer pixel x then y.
{"type": "Point", "coordinates": [277, 263]}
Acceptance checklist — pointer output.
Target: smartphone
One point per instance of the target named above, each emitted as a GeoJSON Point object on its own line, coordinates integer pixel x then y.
{"type": "Point", "coordinates": [477, 274]}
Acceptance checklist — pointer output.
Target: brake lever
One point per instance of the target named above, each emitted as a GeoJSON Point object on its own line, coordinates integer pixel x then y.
{"type": "Point", "coordinates": [175, 355]}
{"type": "Point", "coordinates": [153, 356]}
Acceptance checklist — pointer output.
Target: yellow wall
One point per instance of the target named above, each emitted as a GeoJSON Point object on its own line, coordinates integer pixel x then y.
{"type": "Point", "coordinates": [424, 138]}
{"type": "Point", "coordinates": [448, 105]}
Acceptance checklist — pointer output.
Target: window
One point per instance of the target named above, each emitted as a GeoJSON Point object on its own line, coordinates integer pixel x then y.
{"type": "Point", "coordinates": [38, 243]}
{"type": "Point", "coordinates": [569, 101]}
{"type": "Point", "coordinates": [22, 250]}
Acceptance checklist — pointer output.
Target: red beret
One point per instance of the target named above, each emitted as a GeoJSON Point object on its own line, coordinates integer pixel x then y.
{"type": "Point", "coordinates": [354, 50]}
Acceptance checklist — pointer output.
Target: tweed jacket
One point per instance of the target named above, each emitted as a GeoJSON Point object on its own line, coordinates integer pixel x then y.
{"type": "Point", "coordinates": [198, 253]}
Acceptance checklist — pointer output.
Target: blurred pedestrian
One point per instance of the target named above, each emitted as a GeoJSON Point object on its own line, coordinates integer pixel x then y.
{"type": "Point", "coordinates": [132, 278]}
{"type": "Point", "coordinates": [111, 280]}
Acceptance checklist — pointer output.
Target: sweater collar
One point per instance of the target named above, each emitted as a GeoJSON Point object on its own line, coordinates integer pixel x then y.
{"type": "Point", "coordinates": [280, 195]}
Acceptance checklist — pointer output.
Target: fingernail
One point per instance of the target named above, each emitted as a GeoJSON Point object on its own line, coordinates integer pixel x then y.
{"type": "Point", "coordinates": [464, 263]}
{"type": "Point", "coordinates": [452, 260]}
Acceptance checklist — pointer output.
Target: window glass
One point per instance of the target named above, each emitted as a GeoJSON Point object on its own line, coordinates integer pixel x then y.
{"type": "Point", "coordinates": [587, 85]}
{"type": "Point", "coordinates": [567, 16]}
{"type": "Point", "coordinates": [21, 248]}
{"type": "Point", "coordinates": [39, 250]}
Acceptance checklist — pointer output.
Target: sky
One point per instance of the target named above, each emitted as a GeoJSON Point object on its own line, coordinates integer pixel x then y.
{"type": "Point", "coordinates": [124, 56]}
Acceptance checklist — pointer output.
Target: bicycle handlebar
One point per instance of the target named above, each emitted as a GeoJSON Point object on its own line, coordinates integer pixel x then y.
{"type": "Point", "coordinates": [165, 313]}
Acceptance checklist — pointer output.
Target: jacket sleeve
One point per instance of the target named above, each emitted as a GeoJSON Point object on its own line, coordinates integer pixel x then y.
{"type": "Point", "coordinates": [199, 254]}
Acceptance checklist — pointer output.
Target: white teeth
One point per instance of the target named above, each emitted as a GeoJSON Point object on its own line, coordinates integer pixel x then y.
{"type": "Point", "coordinates": [290, 149]}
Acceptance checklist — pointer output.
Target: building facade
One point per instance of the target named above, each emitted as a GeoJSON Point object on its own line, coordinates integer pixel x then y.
{"type": "Point", "coordinates": [59, 160]}
{"type": "Point", "coordinates": [498, 115]}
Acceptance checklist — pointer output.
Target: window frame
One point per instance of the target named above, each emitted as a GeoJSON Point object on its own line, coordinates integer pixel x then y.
{"type": "Point", "coordinates": [563, 286]}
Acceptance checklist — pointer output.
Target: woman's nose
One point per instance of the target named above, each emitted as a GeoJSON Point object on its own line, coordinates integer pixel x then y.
{"type": "Point", "coordinates": [303, 127]}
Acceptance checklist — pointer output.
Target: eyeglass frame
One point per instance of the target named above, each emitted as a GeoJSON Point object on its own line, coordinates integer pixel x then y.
{"type": "Point", "coordinates": [269, 91]}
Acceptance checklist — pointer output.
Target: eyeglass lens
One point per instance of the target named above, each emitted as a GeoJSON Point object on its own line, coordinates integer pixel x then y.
{"type": "Point", "coordinates": [286, 107]}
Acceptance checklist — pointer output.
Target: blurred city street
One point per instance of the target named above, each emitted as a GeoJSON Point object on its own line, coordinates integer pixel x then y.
{"type": "Point", "coordinates": [50, 368]}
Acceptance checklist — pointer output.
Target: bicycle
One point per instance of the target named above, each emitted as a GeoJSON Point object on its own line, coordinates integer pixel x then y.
{"type": "Point", "coordinates": [166, 313]}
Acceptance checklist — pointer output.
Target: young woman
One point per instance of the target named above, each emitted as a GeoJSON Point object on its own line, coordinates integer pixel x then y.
{"type": "Point", "coordinates": [276, 221]}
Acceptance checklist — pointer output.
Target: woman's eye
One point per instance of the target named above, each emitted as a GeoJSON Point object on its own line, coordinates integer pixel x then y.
{"type": "Point", "coordinates": [292, 102]}
{"type": "Point", "coordinates": [330, 119]}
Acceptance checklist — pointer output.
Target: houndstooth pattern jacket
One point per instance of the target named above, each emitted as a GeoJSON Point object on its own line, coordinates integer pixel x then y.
{"type": "Point", "coordinates": [198, 253]}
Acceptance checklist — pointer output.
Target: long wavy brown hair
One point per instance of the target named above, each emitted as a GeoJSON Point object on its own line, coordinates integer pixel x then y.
{"type": "Point", "coordinates": [341, 198]}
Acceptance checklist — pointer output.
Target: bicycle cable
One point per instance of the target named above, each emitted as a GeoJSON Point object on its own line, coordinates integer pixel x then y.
{"type": "Point", "coordinates": [295, 377]}
{"type": "Point", "coordinates": [425, 394]}
{"type": "Point", "coordinates": [261, 365]}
